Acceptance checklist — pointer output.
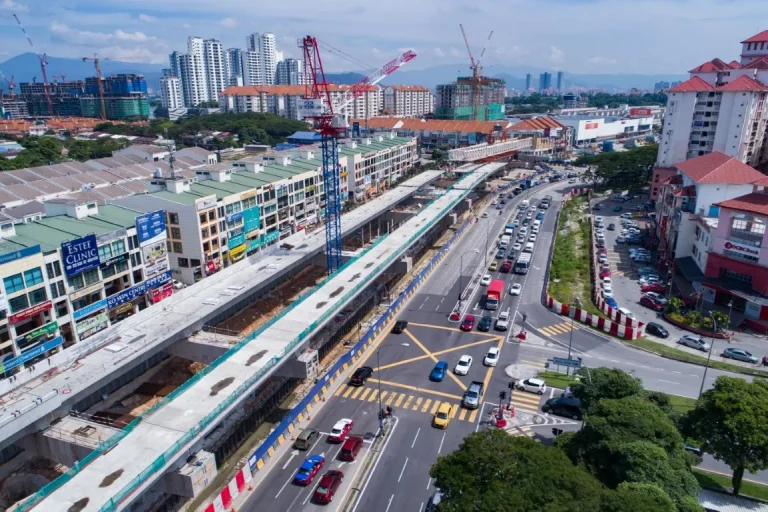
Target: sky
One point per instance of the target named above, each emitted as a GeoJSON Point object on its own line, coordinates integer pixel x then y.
{"type": "Point", "coordinates": [578, 36]}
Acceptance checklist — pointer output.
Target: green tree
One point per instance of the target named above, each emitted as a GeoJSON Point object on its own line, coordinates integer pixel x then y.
{"type": "Point", "coordinates": [636, 497]}
{"type": "Point", "coordinates": [730, 421]}
{"type": "Point", "coordinates": [491, 471]}
{"type": "Point", "coordinates": [600, 383]}
{"type": "Point", "coordinates": [721, 319]}
{"type": "Point", "coordinates": [80, 150]}
{"type": "Point", "coordinates": [675, 304]}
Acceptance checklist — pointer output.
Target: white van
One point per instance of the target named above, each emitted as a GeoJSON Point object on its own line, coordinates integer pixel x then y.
{"type": "Point", "coordinates": [536, 224]}
{"type": "Point", "coordinates": [524, 204]}
{"type": "Point", "coordinates": [504, 243]}
{"type": "Point", "coordinates": [528, 247]}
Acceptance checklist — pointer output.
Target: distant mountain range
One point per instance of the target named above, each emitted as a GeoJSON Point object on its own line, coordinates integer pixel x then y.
{"type": "Point", "coordinates": [26, 66]}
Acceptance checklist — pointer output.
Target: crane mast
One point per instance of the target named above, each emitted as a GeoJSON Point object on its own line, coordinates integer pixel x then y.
{"type": "Point", "coordinates": [43, 63]}
{"type": "Point", "coordinates": [10, 82]}
{"type": "Point", "coordinates": [96, 60]}
{"type": "Point", "coordinates": [477, 70]}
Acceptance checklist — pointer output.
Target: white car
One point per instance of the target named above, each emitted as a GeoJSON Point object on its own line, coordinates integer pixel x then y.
{"type": "Point", "coordinates": [524, 230]}
{"type": "Point", "coordinates": [626, 215]}
{"type": "Point", "coordinates": [485, 215]}
{"type": "Point", "coordinates": [598, 219]}
{"type": "Point", "coordinates": [486, 280]}
{"type": "Point", "coordinates": [626, 312]}
{"type": "Point", "coordinates": [463, 365]}
{"type": "Point", "coordinates": [603, 258]}
{"type": "Point", "coordinates": [492, 357]}
{"type": "Point", "coordinates": [532, 238]}
{"type": "Point", "coordinates": [518, 247]}
{"type": "Point", "coordinates": [535, 229]}
{"type": "Point", "coordinates": [607, 290]}
{"type": "Point", "coordinates": [177, 285]}
{"type": "Point", "coordinates": [502, 323]}
{"type": "Point", "coordinates": [515, 289]}
{"type": "Point", "coordinates": [531, 385]}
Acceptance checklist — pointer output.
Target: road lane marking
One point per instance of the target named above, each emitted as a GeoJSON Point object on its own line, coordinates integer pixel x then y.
{"type": "Point", "coordinates": [390, 399]}
{"type": "Point", "coordinates": [415, 437]}
{"type": "Point", "coordinates": [438, 353]}
{"type": "Point", "coordinates": [373, 395]}
{"type": "Point", "coordinates": [472, 416]}
{"type": "Point", "coordinates": [357, 392]}
{"type": "Point", "coordinates": [429, 482]}
{"type": "Point", "coordinates": [383, 394]}
{"type": "Point", "coordinates": [453, 411]}
{"type": "Point", "coordinates": [417, 404]}
{"type": "Point", "coordinates": [402, 470]}
{"type": "Point", "coordinates": [349, 390]}
{"type": "Point", "coordinates": [407, 403]}
{"type": "Point", "coordinates": [551, 392]}
{"type": "Point", "coordinates": [439, 448]}
{"type": "Point", "coordinates": [373, 470]}
{"type": "Point", "coordinates": [365, 393]}
{"type": "Point", "coordinates": [490, 369]}
{"type": "Point", "coordinates": [290, 479]}
{"type": "Point", "coordinates": [426, 405]}
{"type": "Point", "coordinates": [400, 400]}
{"type": "Point", "coordinates": [390, 502]}
{"type": "Point", "coordinates": [462, 414]}
{"type": "Point", "coordinates": [668, 381]}
{"type": "Point", "coordinates": [340, 390]}
{"type": "Point", "coordinates": [434, 407]}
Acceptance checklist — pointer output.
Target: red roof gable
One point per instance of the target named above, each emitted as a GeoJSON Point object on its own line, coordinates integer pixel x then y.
{"type": "Point", "coordinates": [761, 63]}
{"type": "Point", "coordinates": [691, 85]}
{"type": "Point", "coordinates": [538, 123]}
{"type": "Point", "coordinates": [713, 65]}
{"type": "Point", "coordinates": [759, 38]}
{"type": "Point", "coordinates": [743, 83]}
{"type": "Point", "coordinates": [734, 64]}
{"type": "Point", "coordinates": [756, 202]}
{"type": "Point", "coordinates": [717, 167]}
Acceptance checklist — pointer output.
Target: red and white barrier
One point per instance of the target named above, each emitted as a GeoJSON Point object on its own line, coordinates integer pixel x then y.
{"type": "Point", "coordinates": [235, 487]}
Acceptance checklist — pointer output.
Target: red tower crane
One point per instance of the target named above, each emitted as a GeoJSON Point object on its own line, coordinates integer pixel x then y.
{"type": "Point", "coordinates": [43, 64]}
{"type": "Point", "coordinates": [10, 82]}
{"type": "Point", "coordinates": [96, 60]}
{"type": "Point", "coordinates": [477, 71]}
{"type": "Point", "coordinates": [320, 107]}
{"type": "Point", "coordinates": [63, 78]}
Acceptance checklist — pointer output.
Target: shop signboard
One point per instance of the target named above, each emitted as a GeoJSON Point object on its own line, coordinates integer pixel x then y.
{"type": "Point", "coordinates": [35, 334]}
{"type": "Point", "coordinates": [709, 294]}
{"type": "Point", "coordinates": [82, 292]}
{"type": "Point", "coordinates": [254, 244]}
{"type": "Point", "coordinates": [162, 292]}
{"type": "Point", "coordinates": [639, 112]}
{"type": "Point", "coordinates": [138, 290]}
{"type": "Point", "coordinates": [208, 202]}
{"type": "Point", "coordinates": [112, 261]}
{"type": "Point", "coordinates": [236, 241]}
{"type": "Point", "coordinates": [112, 235]}
{"type": "Point", "coordinates": [10, 364]}
{"type": "Point", "coordinates": [247, 195]}
{"type": "Point", "coordinates": [154, 252]}
{"type": "Point", "coordinates": [17, 255]}
{"type": "Point", "coordinates": [268, 238]}
{"type": "Point", "coordinates": [3, 302]}
{"type": "Point", "coordinates": [160, 266]}
{"type": "Point", "coordinates": [237, 253]}
{"type": "Point", "coordinates": [90, 308]}
{"type": "Point", "coordinates": [151, 227]}
{"type": "Point", "coordinates": [752, 310]}
{"type": "Point", "coordinates": [234, 218]}
{"type": "Point", "coordinates": [742, 248]}
{"type": "Point", "coordinates": [30, 312]}
{"type": "Point", "coordinates": [123, 308]}
{"type": "Point", "coordinates": [252, 219]}
{"type": "Point", "coordinates": [80, 255]}
{"type": "Point", "coordinates": [92, 325]}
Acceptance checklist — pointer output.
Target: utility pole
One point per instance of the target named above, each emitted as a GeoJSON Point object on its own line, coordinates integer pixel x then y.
{"type": "Point", "coordinates": [709, 356]}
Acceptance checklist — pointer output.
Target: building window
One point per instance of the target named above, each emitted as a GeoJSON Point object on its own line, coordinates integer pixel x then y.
{"type": "Point", "coordinates": [177, 247]}
{"type": "Point", "coordinates": [204, 233]}
{"type": "Point", "coordinates": [105, 252]}
{"type": "Point", "coordinates": [136, 259]}
{"type": "Point", "coordinates": [202, 218]}
{"type": "Point", "coordinates": [13, 284]}
{"type": "Point", "coordinates": [37, 296]}
{"type": "Point", "coordinates": [211, 215]}
{"type": "Point", "coordinates": [53, 269]}
{"type": "Point", "coordinates": [19, 303]}
{"type": "Point", "coordinates": [741, 256]}
{"type": "Point", "coordinates": [84, 279]}
{"type": "Point", "coordinates": [62, 309]}
{"type": "Point", "coordinates": [746, 278]}
{"type": "Point", "coordinates": [118, 247]}
{"type": "Point", "coordinates": [33, 277]}
{"type": "Point", "coordinates": [173, 218]}
{"type": "Point", "coordinates": [184, 262]}
{"type": "Point", "coordinates": [54, 293]}
{"type": "Point", "coordinates": [176, 233]}
{"type": "Point", "coordinates": [194, 263]}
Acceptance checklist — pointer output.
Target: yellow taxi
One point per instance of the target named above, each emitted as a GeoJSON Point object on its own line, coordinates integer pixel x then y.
{"type": "Point", "coordinates": [442, 416]}
{"type": "Point", "coordinates": [494, 266]}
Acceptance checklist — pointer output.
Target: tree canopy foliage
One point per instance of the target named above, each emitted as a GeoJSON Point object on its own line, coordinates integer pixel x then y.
{"type": "Point", "coordinates": [620, 170]}
{"type": "Point", "coordinates": [249, 128]}
{"type": "Point", "coordinates": [540, 104]}
{"type": "Point", "coordinates": [730, 421]}
{"type": "Point", "coordinates": [50, 150]}
{"type": "Point", "coordinates": [601, 383]}
{"type": "Point", "coordinates": [633, 100]}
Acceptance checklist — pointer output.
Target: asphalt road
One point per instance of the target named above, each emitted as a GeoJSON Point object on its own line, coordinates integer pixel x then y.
{"type": "Point", "coordinates": [400, 477]}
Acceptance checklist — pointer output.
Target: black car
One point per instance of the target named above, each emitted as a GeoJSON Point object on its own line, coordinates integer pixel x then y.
{"type": "Point", "coordinates": [567, 406]}
{"type": "Point", "coordinates": [503, 201]}
{"type": "Point", "coordinates": [485, 324]}
{"type": "Point", "coordinates": [512, 254]}
{"type": "Point", "coordinates": [597, 207]}
{"type": "Point", "coordinates": [656, 330]}
{"type": "Point", "coordinates": [360, 376]}
{"type": "Point", "coordinates": [611, 227]}
{"type": "Point", "coordinates": [399, 326]}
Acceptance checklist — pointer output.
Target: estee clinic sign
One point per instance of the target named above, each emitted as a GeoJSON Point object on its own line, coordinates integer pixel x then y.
{"type": "Point", "coordinates": [744, 249]}
{"type": "Point", "coordinates": [80, 255]}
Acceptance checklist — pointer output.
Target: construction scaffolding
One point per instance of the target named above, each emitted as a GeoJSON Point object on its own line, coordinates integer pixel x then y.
{"type": "Point", "coordinates": [456, 101]}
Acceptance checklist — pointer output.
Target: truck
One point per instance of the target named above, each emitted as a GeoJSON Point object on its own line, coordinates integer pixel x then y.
{"type": "Point", "coordinates": [546, 202]}
{"type": "Point", "coordinates": [505, 240]}
{"type": "Point", "coordinates": [493, 296]}
{"type": "Point", "coordinates": [473, 395]}
{"type": "Point", "coordinates": [523, 263]}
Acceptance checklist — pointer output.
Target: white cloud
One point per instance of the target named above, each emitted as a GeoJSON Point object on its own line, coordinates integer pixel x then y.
{"type": "Point", "coordinates": [186, 26]}
{"type": "Point", "coordinates": [64, 33]}
{"type": "Point", "coordinates": [11, 6]}
{"type": "Point", "coordinates": [556, 54]}
{"type": "Point", "coordinates": [439, 53]}
{"type": "Point", "coordinates": [456, 53]}
{"type": "Point", "coordinates": [601, 61]}
{"type": "Point", "coordinates": [375, 51]}
{"type": "Point", "coordinates": [228, 22]}
{"type": "Point", "coordinates": [146, 18]}
{"type": "Point", "coordinates": [133, 54]}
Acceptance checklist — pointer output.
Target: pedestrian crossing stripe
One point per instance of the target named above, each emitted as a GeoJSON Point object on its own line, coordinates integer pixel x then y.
{"type": "Point", "coordinates": [426, 405]}
{"type": "Point", "coordinates": [535, 364]}
{"type": "Point", "coordinates": [561, 328]}
{"type": "Point", "coordinates": [357, 392]}
{"type": "Point", "coordinates": [365, 393]}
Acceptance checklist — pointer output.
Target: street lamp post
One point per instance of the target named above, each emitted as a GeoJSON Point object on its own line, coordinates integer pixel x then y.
{"type": "Point", "coordinates": [378, 379]}
{"type": "Point", "coordinates": [461, 271]}
{"type": "Point", "coordinates": [711, 346]}
{"type": "Point", "coordinates": [730, 310]}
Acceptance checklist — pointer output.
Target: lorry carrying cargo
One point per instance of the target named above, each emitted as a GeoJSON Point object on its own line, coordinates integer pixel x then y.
{"type": "Point", "coordinates": [473, 395]}
{"type": "Point", "coordinates": [505, 240]}
{"type": "Point", "coordinates": [493, 295]}
{"type": "Point", "coordinates": [523, 263]}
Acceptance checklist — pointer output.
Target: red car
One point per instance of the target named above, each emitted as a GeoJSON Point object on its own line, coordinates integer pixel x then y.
{"type": "Point", "coordinates": [602, 250]}
{"type": "Point", "coordinates": [328, 486]}
{"type": "Point", "coordinates": [351, 447]}
{"type": "Point", "coordinates": [652, 287]}
{"type": "Point", "coordinates": [506, 267]}
{"type": "Point", "coordinates": [605, 272]}
{"type": "Point", "coordinates": [469, 323]}
{"type": "Point", "coordinates": [651, 303]}
{"type": "Point", "coordinates": [340, 430]}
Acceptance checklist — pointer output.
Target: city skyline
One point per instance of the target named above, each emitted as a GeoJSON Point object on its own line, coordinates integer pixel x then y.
{"type": "Point", "coordinates": [141, 33]}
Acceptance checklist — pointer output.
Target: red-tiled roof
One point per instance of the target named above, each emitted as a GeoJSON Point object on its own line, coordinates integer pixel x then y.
{"type": "Point", "coordinates": [759, 38]}
{"type": "Point", "coordinates": [537, 123]}
{"type": "Point", "coordinates": [756, 202]}
{"type": "Point", "coordinates": [688, 191]}
{"type": "Point", "coordinates": [760, 63]}
{"type": "Point", "coordinates": [692, 85]}
{"type": "Point", "coordinates": [295, 90]}
{"type": "Point", "coordinates": [717, 167]}
{"type": "Point", "coordinates": [743, 83]}
{"type": "Point", "coordinates": [409, 88]}
{"type": "Point", "coordinates": [734, 64]}
{"type": "Point", "coordinates": [432, 125]}
{"type": "Point", "coordinates": [712, 65]}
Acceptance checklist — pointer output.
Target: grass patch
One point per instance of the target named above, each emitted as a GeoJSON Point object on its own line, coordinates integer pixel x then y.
{"type": "Point", "coordinates": [682, 404]}
{"type": "Point", "coordinates": [569, 273]}
{"type": "Point", "coordinates": [685, 357]}
{"type": "Point", "coordinates": [723, 483]}
{"type": "Point", "coordinates": [557, 380]}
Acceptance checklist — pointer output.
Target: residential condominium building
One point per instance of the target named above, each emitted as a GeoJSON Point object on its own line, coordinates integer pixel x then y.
{"type": "Point", "coordinates": [721, 107]}
{"type": "Point", "coordinates": [264, 45]}
{"type": "Point", "coordinates": [283, 100]}
{"type": "Point", "coordinates": [233, 67]}
{"type": "Point", "coordinates": [75, 272]}
{"type": "Point", "coordinates": [290, 72]}
{"type": "Point", "coordinates": [215, 68]}
{"type": "Point", "coordinates": [408, 100]}
{"type": "Point", "coordinates": [171, 95]}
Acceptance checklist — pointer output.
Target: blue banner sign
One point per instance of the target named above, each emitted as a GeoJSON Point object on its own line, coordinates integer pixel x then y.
{"type": "Point", "coordinates": [232, 219]}
{"type": "Point", "coordinates": [573, 363]}
{"type": "Point", "coordinates": [151, 226]}
{"type": "Point", "coordinates": [90, 308]}
{"type": "Point", "coordinates": [138, 290]}
{"type": "Point", "coordinates": [33, 353]}
{"type": "Point", "coordinates": [17, 255]}
{"type": "Point", "coordinates": [80, 255]}
{"type": "Point", "coordinates": [252, 219]}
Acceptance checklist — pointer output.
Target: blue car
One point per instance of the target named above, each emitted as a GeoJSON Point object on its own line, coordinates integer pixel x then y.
{"type": "Point", "coordinates": [438, 372]}
{"type": "Point", "coordinates": [540, 216]}
{"type": "Point", "coordinates": [309, 469]}
{"type": "Point", "coordinates": [611, 302]}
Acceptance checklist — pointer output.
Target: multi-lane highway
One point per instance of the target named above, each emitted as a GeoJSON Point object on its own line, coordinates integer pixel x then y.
{"type": "Point", "coordinates": [399, 479]}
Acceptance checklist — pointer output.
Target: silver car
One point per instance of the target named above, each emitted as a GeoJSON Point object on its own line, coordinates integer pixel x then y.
{"type": "Point", "coordinates": [693, 342]}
